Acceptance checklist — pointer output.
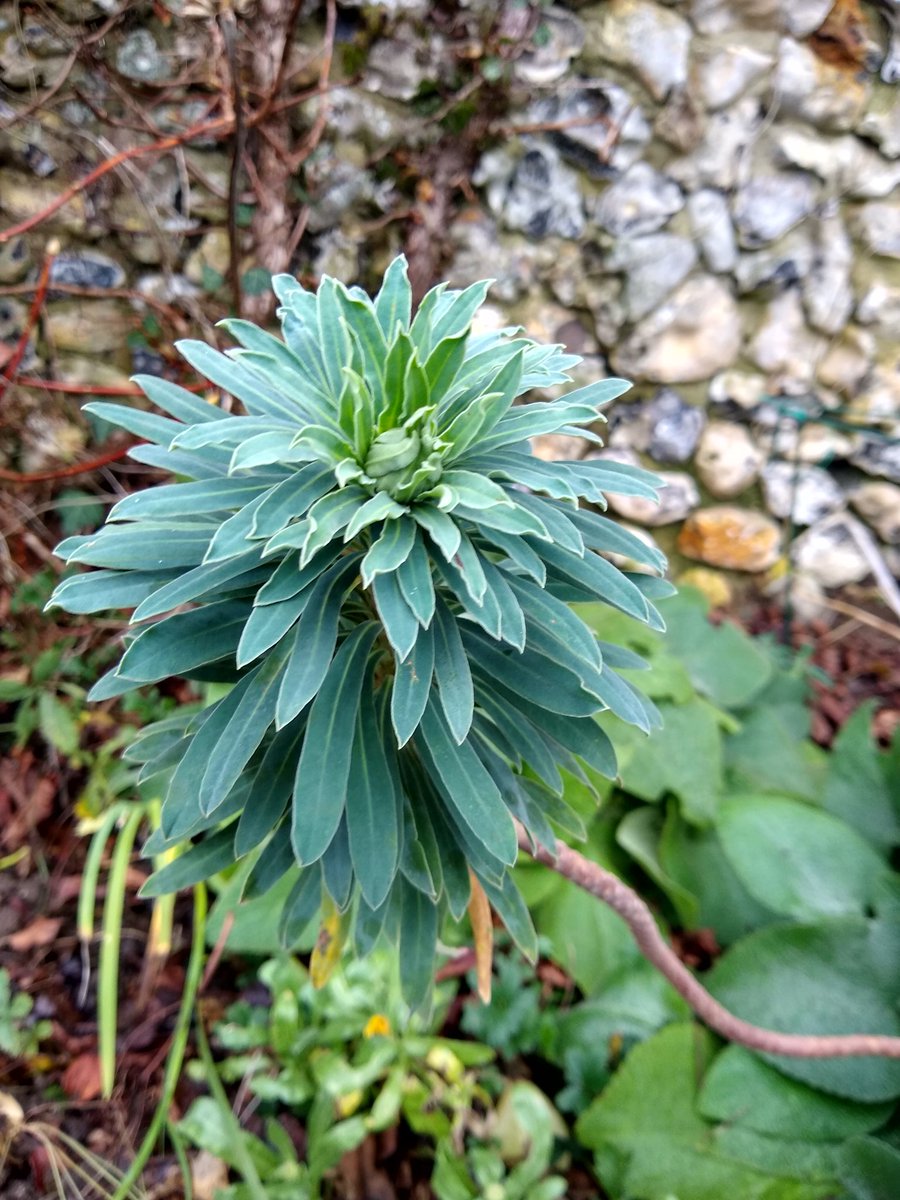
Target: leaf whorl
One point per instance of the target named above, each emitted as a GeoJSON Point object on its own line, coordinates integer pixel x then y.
{"type": "Point", "coordinates": [382, 570]}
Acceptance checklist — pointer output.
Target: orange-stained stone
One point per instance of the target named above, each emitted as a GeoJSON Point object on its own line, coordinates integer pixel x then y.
{"type": "Point", "coordinates": [735, 538]}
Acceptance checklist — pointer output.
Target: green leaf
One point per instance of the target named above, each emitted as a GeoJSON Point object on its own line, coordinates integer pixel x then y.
{"type": "Point", "coordinates": [694, 858]}
{"type": "Point", "coordinates": [177, 401]}
{"type": "Point", "coordinates": [834, 976]}
{"type": "Point", "coordinates": [57, 725]}
{"type": "Point", "coordinates": [466, 785]}
{"type": "Point", "coordinates": [185, 499]}
{"type": "Point", "coordinates": [291, 499]}
{"type": "Point", "coordinates": [201, 581]}
{"type": "Point", "coordinates": [796, 860]}
{"type": "Point", "coordinates": [301, 906]}
{"type": "Point", "coordinates": [147, 425]}
{"type": "Point", "coordinates": [181, 806]}
{"type": "Point", "coordinates": [275, 861]}
{"type": "Point", "coordinates": [102, 590]}
{"type": "Point", "coordinates": [740, 1089]}
{"type": "Point", "coordinates": [418, 938]}
{"type": "Point", "coordinates": [394, 302]}
{"type": "Point", "coordinates": [452, 674]}
{"type": "Point", "coordinates": [649, 1141]}
{"type": "Point", "coordinates": [267, 624]}
{"type": "Point", "coordinates": [638, 833]}
{"type": "Point", "coordinates": [390, 550]}
{"type": "Point", "coordinates": [587, 939]}
{"type": "Point", "coordinates": [373, 810]}
{"type": "Point", "coordinates": [328, 517]}
{"type": "Point", "coordinates": [869, 1169]}
{"type": "Point", "coordinates": [197, 864]}
{"type": "Point", "coordinates": [314, 640]}
{"type": "Point", "coordinates": [270, 790]}
{"type": "Point", "coordinates": [532, 676]}
{"type": "Point", "coordinates": [178, 644]}
{"type": "Point", "coordinates": [148, 546]}
{"type": "Point", "coordinates": [416, 583]}
{"type": "Point", "coordinates": [398, 619]}
{"type": "Point", "coordinates": [442, 530]}
{"type": "Point", "coordinates": [320, 789]}
{"type": "Point", "coordinates": [683, 758]}
{"type": "Point", "coordinates": [411, 687]}
{"type": "Point", "coordinates": [244, 732]}
{"type": "Point", "coordinates": [855, 786]}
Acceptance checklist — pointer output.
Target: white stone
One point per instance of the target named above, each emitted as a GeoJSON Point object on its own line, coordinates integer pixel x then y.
{"type": "Point", "coordinates": [784, 346]}
{"type": "Point", "coordinates": [879, 506]}
{"type": "Point", "coordinates": [879, 399]}
{"type": "Point", "coordinates": [743, 389]}
{"type": "Point", "coordinates": [711, 224]}
{"type": "Point", "coordinates": [727, 460]}
{"type": "Point", "coordinates": [779, 265]}
{"type": "Point", "coordinates": [640, 201]}
{"type": "Point", "coordinates": [827, 289]}
{"type": "Point", "coordinates": [563, 40]}
{"type": "Point", "coordinates": [813, 444]}
{"type": "Point", "coordinates": [804, 17]}
{"type": "Point", "coordinates": [717, 159]}
{"type": "Point", "coordinates": [696, 333]}
{"type": "Point", "coordinates": [849, 166]}
{"type": "Point", "coordinates": [800, 493]}
{"type": "Point", "coordinates": [829, 553]}
{"type": "Point", "coordinates": [880, 309]}
{"type": "Point", "coordinates": [651, 41]}
{"type": "Point", "coordinates": [653, 267]}
{"type": "Point", "coordinates": [879, 226]}
{"type": "Point", "coordinates": [678, 498]}
{"type": "Point", "coordinates": [725, 70]}
{"type": "Point", "coordinates": [717, 16]}
{"type": "Point", "coordinates": [584, 117]}
{"type": "Point", "coordinates": [881, 121]}
{"type": "Point", "coordinates": [767, 206]}
{"type": "Point", "coordinates": [879, 456]}
{"type": "Point", "coordinates": [536, 193]}
{"type": "Point", "coordinates": [847, 361]}
{"type": "Point", "coordinates": [816, 91]}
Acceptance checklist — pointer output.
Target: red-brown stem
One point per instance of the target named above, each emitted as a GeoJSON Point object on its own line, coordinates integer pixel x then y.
{"type": "Point", "coordinates": [9, 371]}
{"type": "Point", "coordinates": [67, 472]}
{"type": "Point", "coordinates": [639, 919]}
{"type": "Point", "coordinates": [109, 164]}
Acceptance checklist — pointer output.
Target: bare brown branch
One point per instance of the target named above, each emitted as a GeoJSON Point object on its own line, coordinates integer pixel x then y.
{"type": "Point", "coordinates": [631, 908]}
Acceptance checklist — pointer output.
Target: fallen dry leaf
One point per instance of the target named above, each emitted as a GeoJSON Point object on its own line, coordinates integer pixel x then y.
{"type": "Point", "coordinates": [81, 1079]}
{"type": "Point", "coordinates": [40, 932]}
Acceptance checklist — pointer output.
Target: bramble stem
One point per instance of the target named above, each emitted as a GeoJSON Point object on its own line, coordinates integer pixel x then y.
{"type": "Point", "coordinates": [640, 920]}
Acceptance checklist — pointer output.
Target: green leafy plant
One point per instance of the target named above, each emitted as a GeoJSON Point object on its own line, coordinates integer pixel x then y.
{"type": "Point", "coordinates": [380, 570]}
{"type": "Point", "coordinates": [20, 1037]}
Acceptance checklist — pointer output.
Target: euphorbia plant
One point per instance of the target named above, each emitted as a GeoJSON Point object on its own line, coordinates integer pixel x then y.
{"type": "Point", "coordinates": [376, 562]}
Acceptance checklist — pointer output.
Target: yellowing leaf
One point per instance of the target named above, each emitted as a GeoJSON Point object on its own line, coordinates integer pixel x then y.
{"type": "Point", "coordinates": [483, 932]}
{"type": "Point", "coordinates": [329, 944]}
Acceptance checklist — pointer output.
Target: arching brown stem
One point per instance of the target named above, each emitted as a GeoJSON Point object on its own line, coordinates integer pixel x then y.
{"type": "Point", "coordinates": [639, 919]}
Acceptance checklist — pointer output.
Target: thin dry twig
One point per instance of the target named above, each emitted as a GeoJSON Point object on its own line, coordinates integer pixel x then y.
{"type": "Point", "coordinates": [8, 374]}
{"type": "Point", "coordinates": [631, 908]}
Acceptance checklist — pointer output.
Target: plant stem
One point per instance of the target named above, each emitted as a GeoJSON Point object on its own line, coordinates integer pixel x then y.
{"type": "Point", "coordinates": [631, 908]}
{"type": "Point", "coordinates": [179, 1044]}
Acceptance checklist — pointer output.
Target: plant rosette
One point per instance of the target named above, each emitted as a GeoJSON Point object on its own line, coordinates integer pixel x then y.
{"type": "Point", "coordinates": [374, 562]}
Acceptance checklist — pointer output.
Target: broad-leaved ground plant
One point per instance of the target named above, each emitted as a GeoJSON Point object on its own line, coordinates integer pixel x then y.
{"type": "Point", "coordinates": [373, 560]}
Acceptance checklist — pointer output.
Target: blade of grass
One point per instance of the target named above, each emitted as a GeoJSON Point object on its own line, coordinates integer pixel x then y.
{"type": "Point", "coordinates": [87, 896]}
{"type": "Point", "coordinates": [239, 1146]}
{"type": "Point", "coordinates": [181, 1156]}
{"type": "Point", "coordinates": [110, 945]}
{"type": "Point", "coordinates": [179, 1044]}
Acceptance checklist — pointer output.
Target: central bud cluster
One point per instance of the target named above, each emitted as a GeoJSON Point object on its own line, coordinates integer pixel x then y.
{"type": "Point", "coordinates": [404, 461]}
